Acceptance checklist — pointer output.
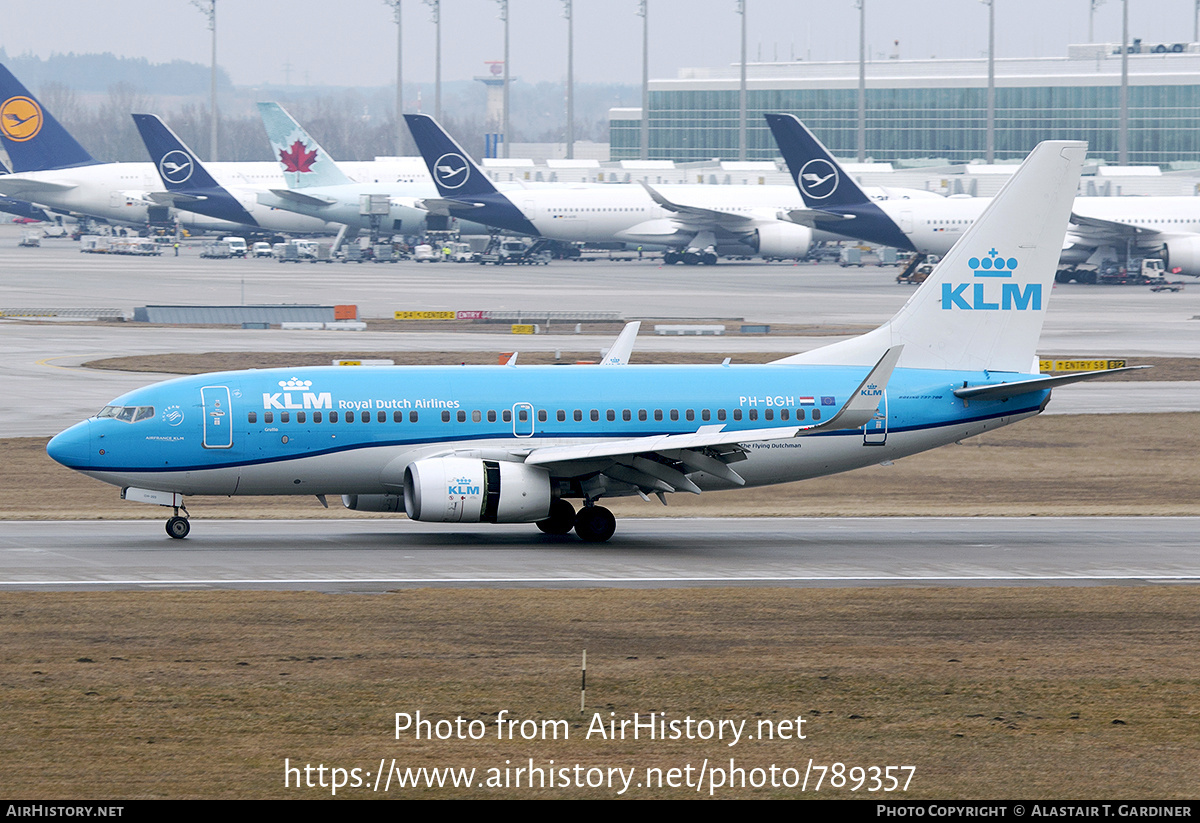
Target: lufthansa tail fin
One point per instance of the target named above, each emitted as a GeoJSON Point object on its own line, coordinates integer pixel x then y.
{"type": "Point", "coordinates": [983, 307]}
{"type": "Point", "coordinates": [184, 175]}
{"type": "Point", "coordinates": [305, 164]}
{"type": "Point", "coordinates": [828, 190]}
{"type": "Point", "coordinates": [454, 173]}
{"type": "Point", "coordinates": [33, 139]}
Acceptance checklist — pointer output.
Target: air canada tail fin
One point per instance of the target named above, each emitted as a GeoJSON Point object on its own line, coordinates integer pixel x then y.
{"type": "Point", "coordinates": [33, 139]}
{"type": "Point", "coordinates": [305, 164]}
{"type": "Point", "coordinates": [454, 173]}
{"type": "Point", "coordinates": [984, 304]}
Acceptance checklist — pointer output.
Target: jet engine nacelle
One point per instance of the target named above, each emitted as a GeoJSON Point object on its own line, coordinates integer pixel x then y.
{"type": "Point", "coordinates": [1184, 253]}
{"type": "Point", "coordinates": [469, 490]}
{"type": "Point", "coordinates": [781, 240]}
{"type": "Point", "coordinates": [373, 502]}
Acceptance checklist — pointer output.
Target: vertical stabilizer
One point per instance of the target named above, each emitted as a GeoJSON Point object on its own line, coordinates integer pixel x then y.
{"type": "Point", "coordinates": [33, 139]}
{"type": "Point", "coordinates": [825, 187]}
{"type": "Point", "coordinates": [305, 164]}
{"type": "Point", "coordinates": [984, 305]}
{"type": "Point", "coordinates": [452, 169]}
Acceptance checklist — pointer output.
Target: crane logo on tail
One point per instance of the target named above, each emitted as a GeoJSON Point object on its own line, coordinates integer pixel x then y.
{"type": "Point", "coordinates": [20, 119]}
{"type": "Point", "coordinates": [451, 170]}
{"type": "Point", "coordinates": [818, 179]}
{"type": "Point", "coordinates": [176, 167]}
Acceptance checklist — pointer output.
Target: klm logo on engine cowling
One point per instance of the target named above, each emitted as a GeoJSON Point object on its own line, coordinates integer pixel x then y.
{"type": "Point", "coordinates": [987, 293]}
{"type": "Point", "coordinates": [461, 486]}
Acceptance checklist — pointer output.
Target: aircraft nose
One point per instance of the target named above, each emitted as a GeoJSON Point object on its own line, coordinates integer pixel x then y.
{"type": "Point", "coordinates": [73, 447]}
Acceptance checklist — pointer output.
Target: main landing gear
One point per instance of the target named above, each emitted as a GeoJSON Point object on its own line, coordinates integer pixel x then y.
{"type": "Point", "coordinates": [592, 524]}
{"type": "Point", "coordinates": [178, 527]}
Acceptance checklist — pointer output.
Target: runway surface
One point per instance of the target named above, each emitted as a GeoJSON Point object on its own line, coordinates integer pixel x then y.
{"type": "Point", "coordinates": [377, 555]}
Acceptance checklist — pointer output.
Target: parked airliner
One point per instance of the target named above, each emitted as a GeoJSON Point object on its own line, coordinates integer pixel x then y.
{"type": "Point", "coordinates": [695, 223]}
{"type": "Point", "coordinates": [515, 444]}
{"type": "Point", "coordinates": [1101, 227]}
{"type": "Point", "coordinates": [50, 168]}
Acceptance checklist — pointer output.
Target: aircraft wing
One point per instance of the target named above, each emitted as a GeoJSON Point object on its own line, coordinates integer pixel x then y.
{"type": "Point", "coordinates": [11, 184]}
{"type": "Point", "coordinates": [695, 213]}
{"type": "Point", "coordinates": [660, 463]}
{"type": "Point", "coordinates": [297, 196]}
{"type": "Point", "coordinates": [1093, 229]}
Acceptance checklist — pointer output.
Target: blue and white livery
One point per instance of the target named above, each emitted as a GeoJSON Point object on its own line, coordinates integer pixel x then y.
{"type": "Point", "coordinates": [515, 444]}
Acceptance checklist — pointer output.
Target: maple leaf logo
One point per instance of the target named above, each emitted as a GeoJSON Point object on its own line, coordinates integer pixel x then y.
{"type": "Point", "coordinates": [298, 159]}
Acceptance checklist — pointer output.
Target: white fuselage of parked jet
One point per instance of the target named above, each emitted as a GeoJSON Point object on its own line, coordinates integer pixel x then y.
{"type": "Point", "coordinates": [121, 192]}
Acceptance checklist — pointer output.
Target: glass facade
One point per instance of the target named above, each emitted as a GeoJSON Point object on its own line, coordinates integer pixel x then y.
{"type": "Point", "coordinates": [951, 123]}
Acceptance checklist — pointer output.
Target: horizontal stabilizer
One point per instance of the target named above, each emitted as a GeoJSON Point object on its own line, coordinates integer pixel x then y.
{"type": "Point", "coordinates": [441, 205]}
{"type": "Point", "coordinates": [998, 391]}
{"type": "Point", "coordinates": [170, 198]}
{"type": "Point", "coordinates": [809, 217]}
{"type": "Point", "coordinates": [303, 199]}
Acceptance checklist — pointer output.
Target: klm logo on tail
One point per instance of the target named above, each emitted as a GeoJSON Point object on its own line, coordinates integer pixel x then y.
{"type": "Point", "coordinates": [983, 294]}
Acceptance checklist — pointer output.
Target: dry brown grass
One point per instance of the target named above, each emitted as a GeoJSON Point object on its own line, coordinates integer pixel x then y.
{"type": "Point", "coordinates": [989, 693]}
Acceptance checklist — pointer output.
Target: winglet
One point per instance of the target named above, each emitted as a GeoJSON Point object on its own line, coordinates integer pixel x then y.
{"type": "Point", "coordinates": [618, 353]}
{"type": "Point", "coordinates": [864, 401]}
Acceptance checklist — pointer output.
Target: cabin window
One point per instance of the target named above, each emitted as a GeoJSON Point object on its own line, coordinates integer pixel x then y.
{"type": "Point", "coordinates": [285, 417]}
{"type": "Point", "coordinates": [542, 416]}
{"type": "Point", "coordinates": [578, 415]}
{"type": "Point", "coordinates": [690, 414]}
{"type": "Point", "coordinates": [720, 414]}
{"type": "Point", "coordinates": [491, 415]}
{"type": "Point", "coordinates": [523, 415]}
{"type": "Point", "coordinates": [737, 414]}
{"type": "Point", "coordinates": [626, 415]}
{"type": "Point", "coordinates": [642, 414]}
{"type": "Point", "coordinates": [462, 416]}
{"type": "Point", "coordinates": [658, 414]}
{"type": "Point", "coordinates": [412, 417]}
{"type": "Point", "coordinates": [783, 414]}
{"type": "Point", "coordinates": [799, 414]}
{"type": "Point", "coordinates": [366, 417]}
{"type": "Point", "coordinates": [595, 415]}
{"type": "Point", "coordinates": [816, 414]}
{"type": "Point", "coordinates": [562, 415]}
{"type": "Point", "coordinates": [302, 417]}
{"type": "Point", "coordinates": [507, 416]}
{"type": "Point", "coordinates": [476, 416]}
{"type": "Point", "coordinates": [753, 414]}
{"type": "Point", "coordinates": [317, 416]}
{"type": "Point", "coordinates": [333, 417]}
{"type": "Point", "coordinates": [268, 417]}
{"type": "Point", "coordinates": [381, 417]}
{"type": "Point", "coordinates": [769, 414]}
{"type": "Point", "coordinates": [611, 414]}
{"type": "Point", "coordinates": [705, 415]}
{"type": "Point", "coordinates": [252, 417]}
{"type": "Point", "coordinates": [445, 417]}
{"type": "Point", "coordinates": [397, 417]}
{"type": "Point", "coordinates": [674, 414]}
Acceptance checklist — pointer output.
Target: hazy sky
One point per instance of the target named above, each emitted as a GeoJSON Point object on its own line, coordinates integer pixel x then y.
{"type": "Point", "coordinates": [353, 42]}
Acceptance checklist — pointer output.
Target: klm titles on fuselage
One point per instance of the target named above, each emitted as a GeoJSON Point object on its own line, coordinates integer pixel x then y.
{"type": "Point", "coordinates": [983, 294]}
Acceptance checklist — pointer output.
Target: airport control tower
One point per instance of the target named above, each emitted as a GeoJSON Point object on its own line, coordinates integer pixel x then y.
{"type": "Point", "coordinates": [494, 80]}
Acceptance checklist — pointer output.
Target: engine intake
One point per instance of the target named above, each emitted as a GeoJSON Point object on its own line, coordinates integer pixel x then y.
{"type": "Point", "coordinates": [781, 240]}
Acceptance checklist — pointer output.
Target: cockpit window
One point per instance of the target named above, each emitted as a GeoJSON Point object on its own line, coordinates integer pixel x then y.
{"type": "Point", "coordinates": [129, 414]}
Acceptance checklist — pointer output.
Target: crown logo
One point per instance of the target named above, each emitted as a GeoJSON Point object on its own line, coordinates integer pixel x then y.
{"type": "Point", "coordinates": [994, 265]}
{"type": "Point", "coordinates": [295, 383]}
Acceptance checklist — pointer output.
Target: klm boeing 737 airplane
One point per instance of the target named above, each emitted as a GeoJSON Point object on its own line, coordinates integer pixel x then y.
{"type": "Point", "coordinates": [516, 444]}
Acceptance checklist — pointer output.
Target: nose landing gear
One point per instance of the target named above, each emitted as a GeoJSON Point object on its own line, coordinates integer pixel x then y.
{"type": "Point", "coordinates": [178, 527]}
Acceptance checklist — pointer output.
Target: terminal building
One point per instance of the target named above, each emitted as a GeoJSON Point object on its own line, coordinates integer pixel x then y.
{"type": "Point", "coordinates": [934, 108]}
